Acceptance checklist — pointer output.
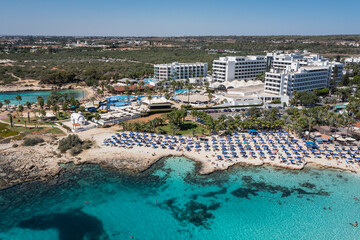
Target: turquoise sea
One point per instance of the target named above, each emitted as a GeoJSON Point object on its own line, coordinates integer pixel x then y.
{"type": "Point", "coordinates": [31, 96]}
{"type": "Point", "coordinates": [171, 201]}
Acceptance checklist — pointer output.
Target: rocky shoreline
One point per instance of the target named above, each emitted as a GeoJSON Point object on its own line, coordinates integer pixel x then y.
{"type": "Point", "coordinates": [22, 164]}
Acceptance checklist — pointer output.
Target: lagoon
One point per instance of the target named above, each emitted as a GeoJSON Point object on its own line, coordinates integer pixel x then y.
{"type": "Point", "coordinates": [31, 96]}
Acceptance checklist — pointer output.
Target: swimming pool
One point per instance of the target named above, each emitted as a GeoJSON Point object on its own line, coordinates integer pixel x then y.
{"type": "Point", "coordinates": [120, 104]}
{"type": "Point", "coordinates": [182, 91]}
{"type": "Point", "coordinates": [148, 80]}
{"type": "Point", "coordinates": [124, 98]}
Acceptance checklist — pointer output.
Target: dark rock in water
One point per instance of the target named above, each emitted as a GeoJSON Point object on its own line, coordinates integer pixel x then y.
{"type": "Point", "coordinates": [307, 185]}
{"type": "Point", "coordinates": [213, 194]}
{"type": "Point", "coordinates": [250, 183]}
{"type": "Point", "coordinates": [244, 192]}
{"type": "Point", "coordinates": [193, 212]}
{"type": "Point", "coordinates": [71, 225]}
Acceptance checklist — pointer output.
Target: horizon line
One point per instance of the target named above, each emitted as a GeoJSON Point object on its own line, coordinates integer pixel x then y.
{"type": "Point", "coordinates": [178, 36]}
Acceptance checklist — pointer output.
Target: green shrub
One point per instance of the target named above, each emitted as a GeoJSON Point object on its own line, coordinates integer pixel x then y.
{"type": "Point", "coordinates": [69, 142]}
{"type": "Point", "coordinates": [155, 111]}
{"type": "Point", "coordinates": [276, 101]}
{"type": "Point", "coordinates": [32, 141]}
{"type": "Point", "coordinates": [161, 131]}
{"type": "Point", "coordinates": [187, 106]}
{"type": "Point", "coordinates": [74, 143]}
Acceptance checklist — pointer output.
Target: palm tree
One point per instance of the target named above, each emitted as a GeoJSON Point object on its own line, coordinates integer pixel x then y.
{"type": "Point", "coordinates": [173, 85]}
{"type": "Point", "coordinates": [7, 102]}
{"type": "Point", "coordinates": [64, 106]}
{"type": "Point", "coordinates": [344, 93]}
{"type": "Point", "coordinates": [11, 120]}
{"type": "Point", "coordinates": [321, 114]}
{"type": "Point", "coordinates": [93, 99]}
{"type": "Point", "coordinates": [55, 109]}
{"type": "Point", "coordinates": [40, 101]}
{"type": "Point", "coordinates": [311, 121]}
{"type": "Point", "coordinates": [49, 103]}
{"type": "Point", "coordinates": [331, 120]}
{"type": "Point", "coordinates": [18, 98]}
{"type": "Point", "coordinates": [36, 119]}
{"type": "Point", "coordinates": [97, 116]}
{"type": "Point", "coordinates": [348, 122]}
{"type": "Point", "coordinates": [160, 90]}
{"type": "Point", "coordinates": [28, 105]}
{"type": "Point", "coordinates": [43, 113]}
{"type": "Point", "coordinates": [189, 86]}
{"type": "Point", "coordinates": [210, 96]}
{"type": "Point", "coordinates": [102, 84]}
{"type": "Point", "coordinates": [128, 93]}
{"type": "Point", "coordinates": [353, 107]}
{"type": "Point", "coordinates": [149, 98]}
{"type": "Point", "coordinates": [20, 110]}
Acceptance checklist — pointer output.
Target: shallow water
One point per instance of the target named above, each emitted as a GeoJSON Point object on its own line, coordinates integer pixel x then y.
{"type": "Point", "coordinates": [31, 96]}
{"type": "Point", "coordinates": [170, 201]}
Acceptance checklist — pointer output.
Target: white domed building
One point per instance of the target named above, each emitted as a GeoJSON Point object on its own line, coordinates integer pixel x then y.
{"type": "Point", "coordinates": [78, 119]}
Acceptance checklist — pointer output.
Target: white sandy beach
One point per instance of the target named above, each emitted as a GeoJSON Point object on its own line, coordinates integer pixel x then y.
{"type": "Point", "coordinates": [145, 156]}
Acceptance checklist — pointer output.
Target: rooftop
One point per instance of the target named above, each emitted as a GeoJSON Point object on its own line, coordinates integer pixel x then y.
{"type": "Point", "coordinates": [177, 64]}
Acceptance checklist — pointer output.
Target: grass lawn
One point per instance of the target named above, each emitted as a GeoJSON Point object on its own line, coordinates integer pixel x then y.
{"type": "Point", "coordinates": [5, 131]}
{"type": "Point", "coordinates": [39, 130]}
{"type": "Point", "coordinates": [146, 119]}
{"type": "Point", "coordinates": [186, 129]}
{"type": "Point", "coordinates": [54, 130]}
{"type": "Point", "coordinates": [18, 120]}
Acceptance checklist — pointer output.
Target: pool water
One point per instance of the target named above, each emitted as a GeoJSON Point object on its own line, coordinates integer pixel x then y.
{"type": "Point", "coordinates": [124, 98]}
{"type": "Point", "coordinates": [148, 80]}
{"type": "Point", "coordinates": [171, 201]}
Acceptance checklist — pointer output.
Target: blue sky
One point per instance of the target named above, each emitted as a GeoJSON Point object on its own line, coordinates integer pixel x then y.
{"type": "Point", "coordinates": [179, 18]}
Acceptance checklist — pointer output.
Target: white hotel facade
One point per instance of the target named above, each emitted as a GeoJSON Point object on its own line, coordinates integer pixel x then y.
{"type": "Point", "coordinates": [238, 68]}
{"type": "Point", "coordinates": [180, 70]}
{"type": "Point", "coordinates": [295, 72]}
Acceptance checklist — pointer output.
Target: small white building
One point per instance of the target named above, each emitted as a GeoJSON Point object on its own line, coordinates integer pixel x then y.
{"type": "Point", "coordinates": [352, 60]}
{"type": "Point", "coordinates": [78, 118]}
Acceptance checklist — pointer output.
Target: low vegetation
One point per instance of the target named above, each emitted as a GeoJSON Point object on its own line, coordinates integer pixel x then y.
{"type": "Point", "coordinates": [74, 144]}
{"type": "Point", "coordinates": [32, 141]}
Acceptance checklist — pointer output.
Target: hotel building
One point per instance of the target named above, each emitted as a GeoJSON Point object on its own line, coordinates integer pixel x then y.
{"type": "Point", "coordinates": [180, 70]}
{"type": "Point", "coordinates": [302, 74]}
{"type": "Point", "coordinates": [238, 68]}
